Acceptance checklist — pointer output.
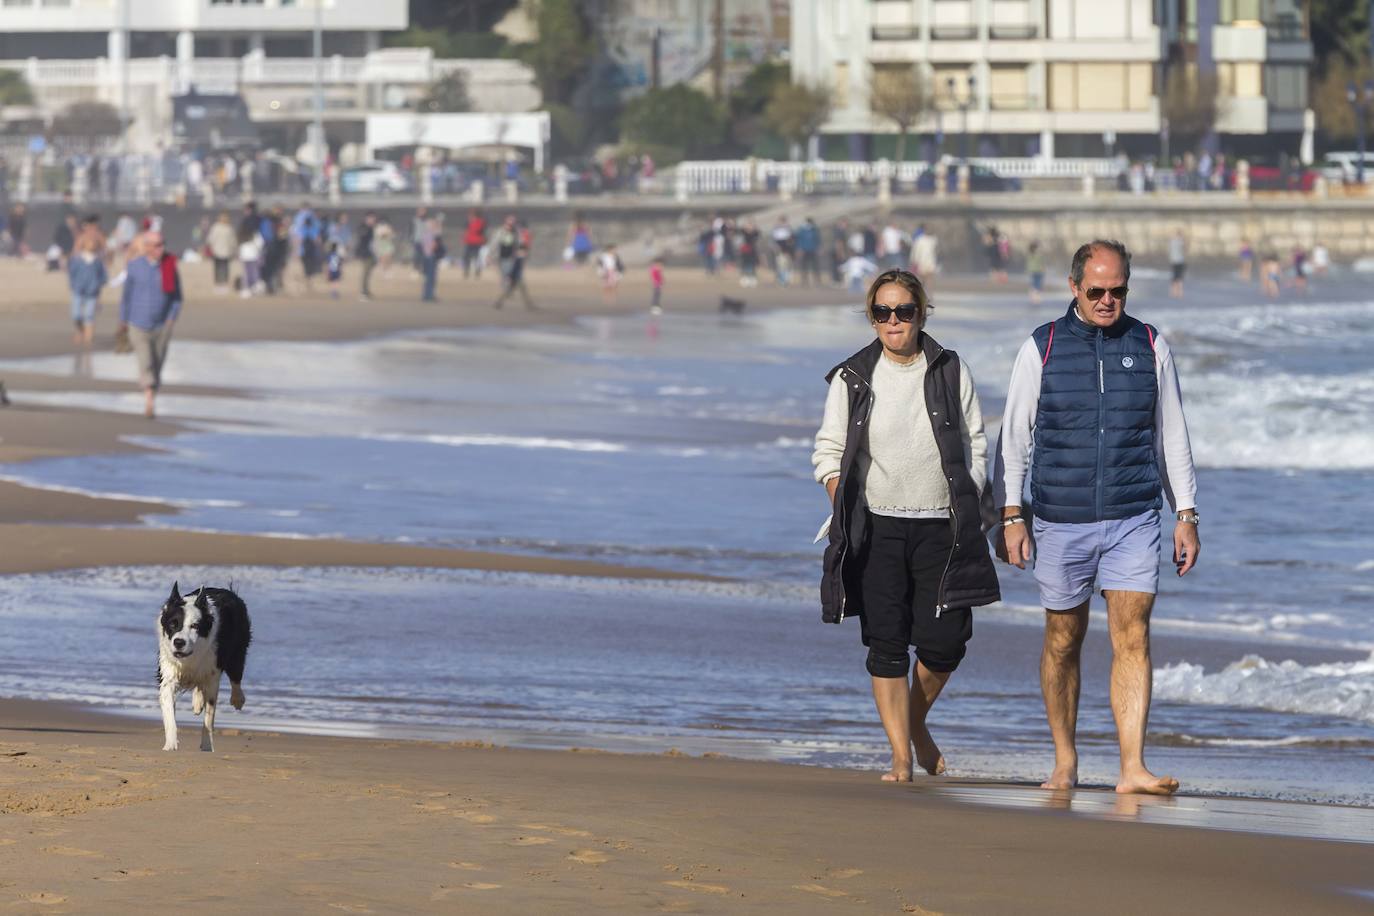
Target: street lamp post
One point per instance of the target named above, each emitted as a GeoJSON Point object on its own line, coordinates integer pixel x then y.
{"type": "Point", "coordinates": [1358, 102]}
{"type": "Point", "coordinates": [318, 145]}
{"type": "Point", "coordinates": [963, 104]}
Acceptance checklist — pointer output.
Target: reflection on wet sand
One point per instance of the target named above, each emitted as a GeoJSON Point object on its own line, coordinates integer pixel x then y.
{"type": "Point", "coordinates": [1245, 815]}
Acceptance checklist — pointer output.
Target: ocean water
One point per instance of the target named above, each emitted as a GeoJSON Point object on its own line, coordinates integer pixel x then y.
{"type": "Point", "coordinates": [685, 444]}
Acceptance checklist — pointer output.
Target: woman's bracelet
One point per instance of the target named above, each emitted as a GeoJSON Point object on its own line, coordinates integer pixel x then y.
{"type": "Point", "coordinates": [1013, 520]}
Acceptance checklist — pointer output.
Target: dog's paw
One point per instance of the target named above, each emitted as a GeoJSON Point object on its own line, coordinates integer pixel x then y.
{"type": "Point", "coordinates": [170, 744]}
{"type": "Point", "coordinates": [236, 697]}
{"type": "Point", "coordinates": [207, 746]}
{"type": "Point", "coordinates": [197, 701]}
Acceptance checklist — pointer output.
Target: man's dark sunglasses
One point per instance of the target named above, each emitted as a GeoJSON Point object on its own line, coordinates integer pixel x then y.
{"type": "Point", "coordinates": [1095, 293]}
{"type": "Point", "coordinates": [905, 313]}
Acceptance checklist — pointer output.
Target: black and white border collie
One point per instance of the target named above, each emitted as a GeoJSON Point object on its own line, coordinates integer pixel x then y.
{"type": "Point", "coordinates": [200, 636]}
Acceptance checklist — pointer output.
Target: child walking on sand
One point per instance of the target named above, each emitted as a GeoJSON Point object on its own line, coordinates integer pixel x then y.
{"type": "Point", "coordinates": [610, 269]}
{"type": "Point", "coordinates": [656, 279]}
{"type": "Point", "coordinates": [334, 269]}
{"type": "Point", "coordinates": [86, 274]}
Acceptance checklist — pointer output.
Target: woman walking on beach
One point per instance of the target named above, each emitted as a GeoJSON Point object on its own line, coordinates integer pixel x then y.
{"type": "Point", "coordinates": [87, 276]}
{"type": "Point", "coordinates": [223, 243]}
{"type": "Point", "coordinates": [901, 453]}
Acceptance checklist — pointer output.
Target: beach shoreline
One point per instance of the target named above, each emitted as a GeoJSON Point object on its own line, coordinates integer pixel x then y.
{"type": "Point", "coordinates": [378, 825]}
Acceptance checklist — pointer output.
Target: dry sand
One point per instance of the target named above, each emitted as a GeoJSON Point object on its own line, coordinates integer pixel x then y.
{"type": "Point", "coordinates": [95, 818]}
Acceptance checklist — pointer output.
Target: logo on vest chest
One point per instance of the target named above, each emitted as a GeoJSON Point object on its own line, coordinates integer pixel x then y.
{"type": "Point", "coordinates": [1127, 362]}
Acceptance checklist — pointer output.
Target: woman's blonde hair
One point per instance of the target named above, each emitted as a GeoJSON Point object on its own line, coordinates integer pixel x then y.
{"type": "Point", "coordinates": [907, 281]}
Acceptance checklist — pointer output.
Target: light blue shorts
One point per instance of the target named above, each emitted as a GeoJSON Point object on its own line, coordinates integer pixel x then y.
{"type": "Point", "coordinates": [1120, 554]}
{"type": "Point", "coordinates": [83, 308]}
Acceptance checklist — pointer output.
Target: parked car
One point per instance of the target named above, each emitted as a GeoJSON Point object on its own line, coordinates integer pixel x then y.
{"type": "Point", "coordinates": [1343, 166]}
{"type": "Point", "coordinates": [1271, 178]}
{"type": "Point", "coordinates": [373, 178]}
{"type": "Point", "coordinates": [980, 178]}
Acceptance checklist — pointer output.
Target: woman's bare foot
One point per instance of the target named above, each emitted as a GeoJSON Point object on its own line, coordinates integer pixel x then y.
{"type": "Point", "coordinates": [928, 756]}
{"type": "Point", "coordinates": [1143, 782]}
{"type": "Point", "coordinates": [1065, 776]}
{"type": "Point", "coordinates": [900, 772]}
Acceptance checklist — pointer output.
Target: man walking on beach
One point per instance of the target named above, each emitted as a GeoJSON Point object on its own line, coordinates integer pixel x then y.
{"type": "Point", "coordinates": [365, 253]}
{"type": "Point", "coordinates": [150, 306]}
{"type": "Point", "coordinates": [1094, 415]}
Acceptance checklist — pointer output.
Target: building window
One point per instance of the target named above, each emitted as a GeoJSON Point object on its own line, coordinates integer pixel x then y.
{"type": "Point", "coordinates": [1237, 11]}
{"type": "Point", "coordinates": [839, 92]}
{"type": "Point", "coordinates": [948, 95]}
{"type": "Point", "coordinates": [1286, 87]}
{"type": "Point", "coordinates": [1009, 87]}
{"type": "Point", "coordinates": [896, 32]}
{"type": "Point", "coordinates": [952, 20]}
{"type": "Point", "coordinates": [1100, 87]}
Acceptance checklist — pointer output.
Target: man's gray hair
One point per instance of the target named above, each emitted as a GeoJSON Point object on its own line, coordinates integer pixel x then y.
{"type": "Point", "coordinates": [1081, 256]}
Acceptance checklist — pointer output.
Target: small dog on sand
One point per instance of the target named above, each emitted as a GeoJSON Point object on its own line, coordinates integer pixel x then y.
{"type": "Point", "coordinates": [729, 306]}
{"type": "Point", "coordinates": [199, 637]}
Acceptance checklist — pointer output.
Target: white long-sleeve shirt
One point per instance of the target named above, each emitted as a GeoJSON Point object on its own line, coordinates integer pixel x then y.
{"type": "Point", "coordinates": [900, 461]}
{"type": "Point", "coordinates": [1172, 448]}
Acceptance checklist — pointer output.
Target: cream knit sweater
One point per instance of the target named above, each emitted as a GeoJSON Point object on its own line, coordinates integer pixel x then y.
{"type": "Point", "coordinates": [899, 460]}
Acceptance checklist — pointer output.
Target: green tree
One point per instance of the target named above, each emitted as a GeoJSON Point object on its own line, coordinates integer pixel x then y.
{"type": "Point", "coordinates": [1340, 33]}
{"type": "Point", "coordinates": [474, 16]}
{"type": "Point", "coordinates": [447, 93]}
{"type": "Point", "coordinates": [679, 118]}
{"type": "Point", "coordinates": [560, 55]}
{"type": "Point", "coordinates": [796, 111]}
{"type": "Point", "coordinates": [899, 94]}
{"type": "Point", "coordinates": [1335, 113]}
{"type": "Point", "coordinates": [451, 45]}
{"type": "Point", "coordinates": [749, 100]}
{"type": "Point", "coordinates": [14, 89]}
{"type": "Point", "coordinates": [1191, 103]}
{"type": "Point", "coordinates": [87, 120]}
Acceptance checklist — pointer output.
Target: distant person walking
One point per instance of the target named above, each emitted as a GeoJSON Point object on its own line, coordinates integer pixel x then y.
{"type": "Point", "coordinates": [474, 239]}
{"type": "Point", "coordinates": [431, 249]}
{"type": "Point", "coordinates": [808, 243]}
{"type": "Point", "coordinates": [1035, 270]}
{"type": "Point", "coordinates": [513, 263]}
{"type": "Point", "coordinates": [250, 259]}
{"type": "Point", "coordinates": [223, 244]}
{"type": "Point", "coordinates": [366, 253]}
{"type": "Point", "coordinates": [87, 276]}
{"type": "Point", "coordinates": [1178, 263]}
{"type": "Point", "coordinates": [925, 255]}
{"type": "Point", "coordinates": [656, 282]}
{"type": "Point", "coordinates": [18, 226]}
{"type": "Point", "coordinates": [1246, 271]}
{"type": "Point", "coordinates": [149, 307]}
{"type": "Point", "coordinates": [610, 269]}
{"type": "Point", "coordinates": [580, 241]}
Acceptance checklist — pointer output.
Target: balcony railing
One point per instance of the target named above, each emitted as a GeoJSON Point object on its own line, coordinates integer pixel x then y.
{"type": "Point", "coordinates": [896, 33]}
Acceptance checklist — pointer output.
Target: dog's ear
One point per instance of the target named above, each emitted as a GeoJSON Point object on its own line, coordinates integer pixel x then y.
{"type": "Point", "coordinates": [202, 600]}
{"type": "Point", "coordinates": [176, 595]}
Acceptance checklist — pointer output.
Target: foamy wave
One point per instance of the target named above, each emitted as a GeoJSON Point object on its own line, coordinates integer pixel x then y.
{"type": "Point", "coordinates": [1333, 689]}
{"type": "Point", "coordinates": [1282, 420]}
{"type": "Point", "coordinates": [530, 442]}
{"type": "Point", "coordinates": [128, 497]}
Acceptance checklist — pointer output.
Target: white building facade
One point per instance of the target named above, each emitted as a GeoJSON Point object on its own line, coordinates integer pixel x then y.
{"type": "Point", "coordinates": [136, 54]}
{"type": "Point", "coordinates": [1050, 77]}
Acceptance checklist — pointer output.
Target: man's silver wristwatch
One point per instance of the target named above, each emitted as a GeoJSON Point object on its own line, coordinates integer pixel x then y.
{"type": "Point", "coordinates": [1189, 517]}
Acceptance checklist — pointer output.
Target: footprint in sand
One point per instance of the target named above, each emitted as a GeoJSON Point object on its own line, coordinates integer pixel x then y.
{"type": "Point", "coordinates": [126, 874]}
{"type": "Point", "coordinates": [466, 866]}
{"type": "Point", "coordinates": [430, 807]}
{"type": "Point", "coordinates": [44, 899]}
{"type": "Point", "coordinates": [444, 891]}
{"type": "Point", "coordinates": [842, 873]}
{"type": "Point", "coordinates": [699, 887]}
{"type": "Point", "coordinates": [71, 851]}
{"type": "Point", "coordinates": [820, 890]}
{"type": "Point", "coordinates": [475, 818]}
{"type": "Point", "coordinates": [530, 841]}
{"type": "Point", "coordinates": [589, 856]}
{"type": "Point", "coordinates": [556, 828]}
{"type": "Point", "coordinates": [6, 841]}
{"type": "Point", "coordinates": [350, 907]}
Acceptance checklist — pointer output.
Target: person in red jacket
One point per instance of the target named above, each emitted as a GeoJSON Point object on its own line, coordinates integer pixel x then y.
{"type": "Point", "coordinates": [474, 240]}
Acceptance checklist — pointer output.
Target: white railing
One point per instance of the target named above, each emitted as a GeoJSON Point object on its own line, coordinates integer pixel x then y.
{"type": "Point", "coordinates": [745, 176]}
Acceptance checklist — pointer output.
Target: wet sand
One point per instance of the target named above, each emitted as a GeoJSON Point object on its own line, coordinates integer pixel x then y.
{"type": "Point", "coordinates": [94, 817]}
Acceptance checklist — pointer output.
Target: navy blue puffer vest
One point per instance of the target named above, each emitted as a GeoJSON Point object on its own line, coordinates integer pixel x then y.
{"type": "Point", "coordinates": [1094, 455]}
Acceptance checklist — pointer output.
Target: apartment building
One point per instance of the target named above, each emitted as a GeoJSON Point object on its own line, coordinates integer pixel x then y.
{"type": "Point", "coordinates": [137, 54]}
{"type": "Point", "coordinates": [1052, 77]}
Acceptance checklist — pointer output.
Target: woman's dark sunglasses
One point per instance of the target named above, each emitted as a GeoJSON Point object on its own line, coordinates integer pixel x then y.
{"type": "Point", "coordinates": [1096, 292]}
{"type": "Point", "coordinates": [905, 313]}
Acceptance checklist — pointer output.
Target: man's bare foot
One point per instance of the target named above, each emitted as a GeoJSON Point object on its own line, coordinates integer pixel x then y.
{"type": "Point", "coordinates": [1143, 782]}
{"type": "Point", "coordinates": [900, 772]}
{"type": "Point", "coordinates": [1063, 777]}
{"type": "Point", "coordinates": [928, 756]}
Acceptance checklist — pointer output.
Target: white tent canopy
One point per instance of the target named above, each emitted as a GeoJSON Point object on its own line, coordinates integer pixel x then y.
{"type": "Point", "coordinates": [458, 132]}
